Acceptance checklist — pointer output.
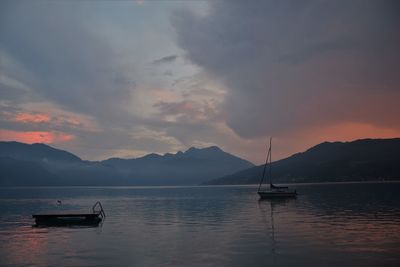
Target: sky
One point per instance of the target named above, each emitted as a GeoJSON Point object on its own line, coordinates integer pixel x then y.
{"type": "Point", "coordinates": [126, 78]}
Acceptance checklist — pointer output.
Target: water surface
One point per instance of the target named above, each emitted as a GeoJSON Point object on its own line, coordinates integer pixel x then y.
{"type": "Point", "coordinates": [327, 225]}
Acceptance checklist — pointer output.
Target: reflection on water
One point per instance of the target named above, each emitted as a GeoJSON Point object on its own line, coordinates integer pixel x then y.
{"type": "Point", "coordinates": [332, 224]}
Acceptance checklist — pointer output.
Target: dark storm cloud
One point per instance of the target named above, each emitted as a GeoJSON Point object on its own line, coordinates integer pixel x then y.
{"type": "Point", "coordinates": [60, 58]}
{"type": "Point", "coordinates": [290, 65]}
{"type": "Point", "coordinates": [166, 59]}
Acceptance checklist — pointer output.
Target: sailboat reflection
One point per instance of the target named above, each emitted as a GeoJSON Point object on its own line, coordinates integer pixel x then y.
{"type": "Point", "coordinates": [273, 204]}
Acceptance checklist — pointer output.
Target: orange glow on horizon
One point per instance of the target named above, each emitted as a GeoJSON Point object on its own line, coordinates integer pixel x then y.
{"type": "Point", "coordinates": [31, 137]}
{"type": "Point", "coordinates": [353, 131]}
{"type": "Point", "coordinates": [288, 144]}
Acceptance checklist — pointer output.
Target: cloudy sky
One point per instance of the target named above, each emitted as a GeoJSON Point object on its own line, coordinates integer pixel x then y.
{"type": "Point", "coordinates": [126, 78]}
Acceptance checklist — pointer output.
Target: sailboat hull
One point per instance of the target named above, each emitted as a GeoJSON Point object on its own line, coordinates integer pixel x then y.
{"type": "Point", "coordinates": [277, 194]}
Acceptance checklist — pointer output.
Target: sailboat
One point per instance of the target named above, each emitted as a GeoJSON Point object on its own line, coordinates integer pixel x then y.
{"type": "Point", "coordinates": [273, 191]}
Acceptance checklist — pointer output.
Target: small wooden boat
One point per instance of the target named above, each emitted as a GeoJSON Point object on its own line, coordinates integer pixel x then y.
{"type": "Point", "coordinates": [273, 191]}
{"type": "Point", "coordinates": [71, 219]}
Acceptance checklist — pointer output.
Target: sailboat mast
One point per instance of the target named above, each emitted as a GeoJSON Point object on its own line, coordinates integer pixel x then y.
{"type": "Point", "coordinates": [270, 162]}
{"type": "Point", "coordinates": [265, 166]}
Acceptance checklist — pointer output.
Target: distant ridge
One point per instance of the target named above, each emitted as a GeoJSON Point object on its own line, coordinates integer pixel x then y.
{"type": "Point", "coordinates": [34, 152]}
{"type": "Point", "coordinates": [360, 160]}
{"type": "Point", "coordinates": [42, 165]}
{"type": "Point", "coordinates": [194, 165]}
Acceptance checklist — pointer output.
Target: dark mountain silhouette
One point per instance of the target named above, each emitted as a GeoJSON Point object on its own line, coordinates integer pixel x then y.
{"type": "Point", "coordinates": [194, 165]}
{"type": "Point", "coordinates": [367, 159]}
{"type": "Point", "coordinates": [19, 173]}
{"type": "Point", "coordinates": [35, 152]}
{"type": "Point", "coordinates": [39, 164]}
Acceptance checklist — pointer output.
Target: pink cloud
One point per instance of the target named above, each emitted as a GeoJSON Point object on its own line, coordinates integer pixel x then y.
{"type": "Point", "coordinates": [51, 116]}
{"type": "Point", "coordinates": [32, 118]}
{"type": "Point", "coordinates": [31, 137]}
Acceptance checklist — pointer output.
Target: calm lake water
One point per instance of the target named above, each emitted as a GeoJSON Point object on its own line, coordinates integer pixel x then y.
{"type": "Point", "coordinates": [327, 225]}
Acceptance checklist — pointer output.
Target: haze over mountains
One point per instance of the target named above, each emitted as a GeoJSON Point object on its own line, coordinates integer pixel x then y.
{"type": "Point", "coordinates": [41, 165]}
{"type": "Point", "coordinates": [360, 160]}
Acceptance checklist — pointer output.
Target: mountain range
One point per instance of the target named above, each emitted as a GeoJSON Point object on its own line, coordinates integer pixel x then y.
{"type": "Point", "coordinates": [360, 160]}
{"type": "Point", "coordinates": [42, 165]}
